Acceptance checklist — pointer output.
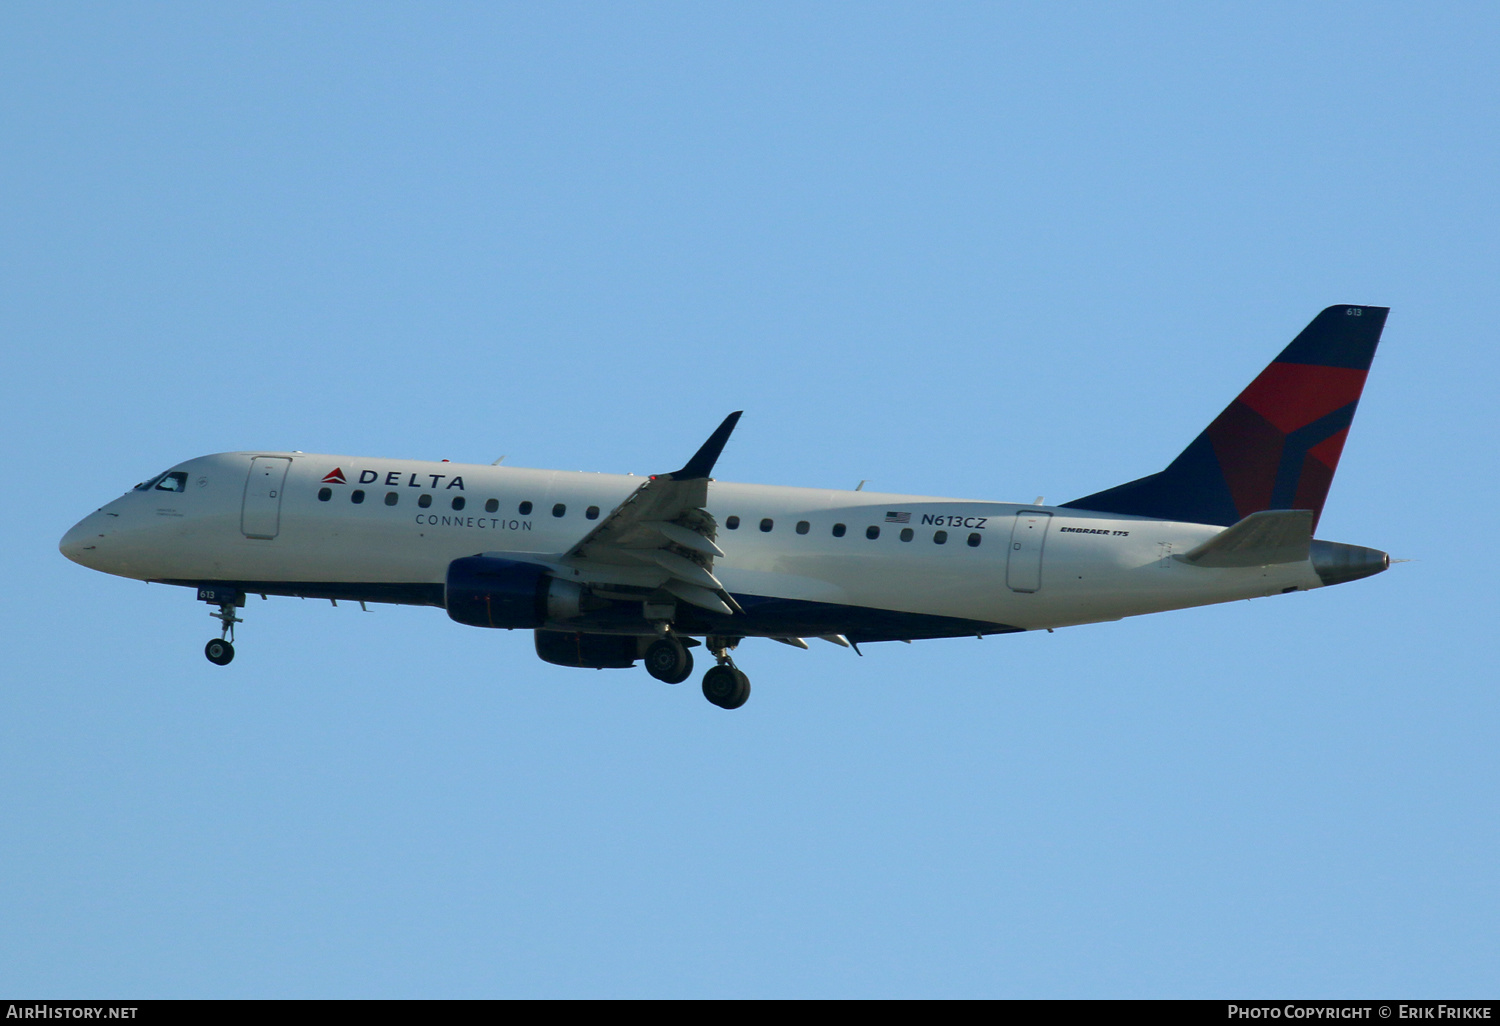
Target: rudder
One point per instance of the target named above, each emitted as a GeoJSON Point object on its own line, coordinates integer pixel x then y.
{"type": "Point", "coordinates": [1277, 445]}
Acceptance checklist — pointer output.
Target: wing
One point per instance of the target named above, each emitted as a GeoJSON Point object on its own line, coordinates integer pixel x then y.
{"type": "Point", "coordinates": [662, 534]}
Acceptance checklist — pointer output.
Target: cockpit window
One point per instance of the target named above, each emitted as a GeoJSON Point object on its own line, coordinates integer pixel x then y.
{"type": "Point", "coordinates": [173, 481]}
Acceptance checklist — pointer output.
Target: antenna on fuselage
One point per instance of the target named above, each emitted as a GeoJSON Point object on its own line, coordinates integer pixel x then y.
{"type": "Point", "coordinates": [499, 461]}
{"type": "Point", "coordinates": [860, 487]}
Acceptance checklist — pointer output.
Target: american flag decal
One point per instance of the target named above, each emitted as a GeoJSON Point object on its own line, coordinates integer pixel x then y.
{"type": "Point", "coordinates": [898, 518]}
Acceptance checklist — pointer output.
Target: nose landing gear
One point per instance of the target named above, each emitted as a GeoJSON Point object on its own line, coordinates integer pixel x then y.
{"type": "Point", "coordinates": [220, 650]}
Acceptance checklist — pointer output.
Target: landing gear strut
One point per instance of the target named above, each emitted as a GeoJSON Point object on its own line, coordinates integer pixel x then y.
{"type": "Point", "coordinates": [220, 650]}
{"type": "Point", "coordinates": [668, 660]}
{"type": "Point", "coordinates": [724, 685]}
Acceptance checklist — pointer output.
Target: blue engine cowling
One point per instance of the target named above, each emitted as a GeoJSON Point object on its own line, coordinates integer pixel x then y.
{"type": "Point", "coordinates": [590, 651]}
{"type": "Point", "coordinates": [485, 591]}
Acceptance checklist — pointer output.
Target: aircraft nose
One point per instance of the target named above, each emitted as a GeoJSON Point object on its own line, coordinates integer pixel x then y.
{"type": "Point", "coordinates": [82, 540]}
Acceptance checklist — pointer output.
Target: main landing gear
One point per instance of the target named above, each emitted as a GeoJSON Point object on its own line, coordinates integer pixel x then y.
{"type": "Point", "coordinates": [668, 660]}
{"type": "Point", "coordinates": [220, 650]}
{"type": "Point", "coordinates": [724, 685]}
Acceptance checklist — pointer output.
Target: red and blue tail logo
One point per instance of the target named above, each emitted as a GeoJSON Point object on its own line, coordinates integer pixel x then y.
{"type": "Point", "coordinates": [1278, 444]}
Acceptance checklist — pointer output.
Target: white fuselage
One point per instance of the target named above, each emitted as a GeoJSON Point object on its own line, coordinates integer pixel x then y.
{"type": "Point", "coordinates": [233, 519]}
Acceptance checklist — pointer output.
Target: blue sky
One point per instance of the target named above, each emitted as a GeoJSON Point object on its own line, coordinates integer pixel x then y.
{"type": "Point", "coordinates": [985, 250]}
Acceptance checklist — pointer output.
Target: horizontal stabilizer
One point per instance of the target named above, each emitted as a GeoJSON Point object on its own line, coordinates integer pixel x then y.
{"type": "Point", "coordinates": [1261, 539]}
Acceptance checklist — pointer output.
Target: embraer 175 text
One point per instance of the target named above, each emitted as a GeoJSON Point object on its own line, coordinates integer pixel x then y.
{"type": "Point", "coordinates": [609, 569]}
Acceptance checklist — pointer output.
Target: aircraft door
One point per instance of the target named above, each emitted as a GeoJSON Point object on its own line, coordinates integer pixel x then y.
{"type": "Point", "coordinates": [1028, 536]}
{"type": "Point", "coordinates": [260, 517]}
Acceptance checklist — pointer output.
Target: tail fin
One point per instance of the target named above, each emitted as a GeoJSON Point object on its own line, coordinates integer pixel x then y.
{"type": "Point", "coordinates": [1278, 444]}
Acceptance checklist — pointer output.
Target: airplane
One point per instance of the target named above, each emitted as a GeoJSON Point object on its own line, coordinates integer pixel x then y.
{"type": "Point", "coordinates": [607, 570]}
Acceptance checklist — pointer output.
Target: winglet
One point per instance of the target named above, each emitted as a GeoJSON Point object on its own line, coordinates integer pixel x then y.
{"type": "Point", "coordinates": [704, 459]}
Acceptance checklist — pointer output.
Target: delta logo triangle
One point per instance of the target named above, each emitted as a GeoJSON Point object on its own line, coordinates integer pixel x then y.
{"type": "Point", "coordinates": [334, 476]}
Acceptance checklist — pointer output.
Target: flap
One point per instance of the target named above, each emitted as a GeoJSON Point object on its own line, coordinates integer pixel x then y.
{"type": "Point", "coordinates": [664, 525]}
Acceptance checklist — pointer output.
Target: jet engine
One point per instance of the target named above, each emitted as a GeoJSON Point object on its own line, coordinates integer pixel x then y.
{"type": "Point", "coordinates": [487, 591]}
{"type": "Point", "coordinates": [591, 651]}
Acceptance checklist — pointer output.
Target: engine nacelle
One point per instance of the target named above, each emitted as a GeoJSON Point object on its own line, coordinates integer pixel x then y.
{"type": "Point", "coordinates": [486, 591]}
{"type": "Point", "coordinates": [591, 651]}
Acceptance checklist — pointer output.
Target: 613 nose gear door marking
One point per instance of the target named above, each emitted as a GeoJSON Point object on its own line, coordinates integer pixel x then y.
{"type": "Point", "coordinates": [1023, 568]}
{"type": "Point", "coordinates": [260, 517]}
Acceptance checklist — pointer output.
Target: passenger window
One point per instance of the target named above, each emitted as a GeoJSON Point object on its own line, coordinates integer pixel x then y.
{"type": "Point", "coordinates": [357, 496]}
{"type": "Point", "coordinates": [560, 509]}
{"type": "Point", "coordinates": [838, 530]}
{"type": "Point", "coordinates": [324, 494]}
{"type": "Point", "coordinates": [491, 505]}
{"type": "Point", "coordinates": [766, 524]}
{"type": "Point", "coordinates": [458, 502]}
{"type": "Point", "coordinates": [872, 532]}
{"type": "Point", "coordinates": [391, 498]}
{"type": "Point", "coordinates": [424, 501]}
{"type": "Point", "coordinates": [525, 509]}
{"type": "Point", "coordinates": [733, 523]}
{"type": "Point", "coordinates": [975, 539]}
{"type": "Point", "coordinates": [592, 513]}
{"type": "Point", "coordinates": [907, 534]}
{"type": "Point", "coordinates": [174, 482]}
{"type": "Point", "coordinates": [939, 537]}
{"type": "Point", "coordinates": [803, 526]}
